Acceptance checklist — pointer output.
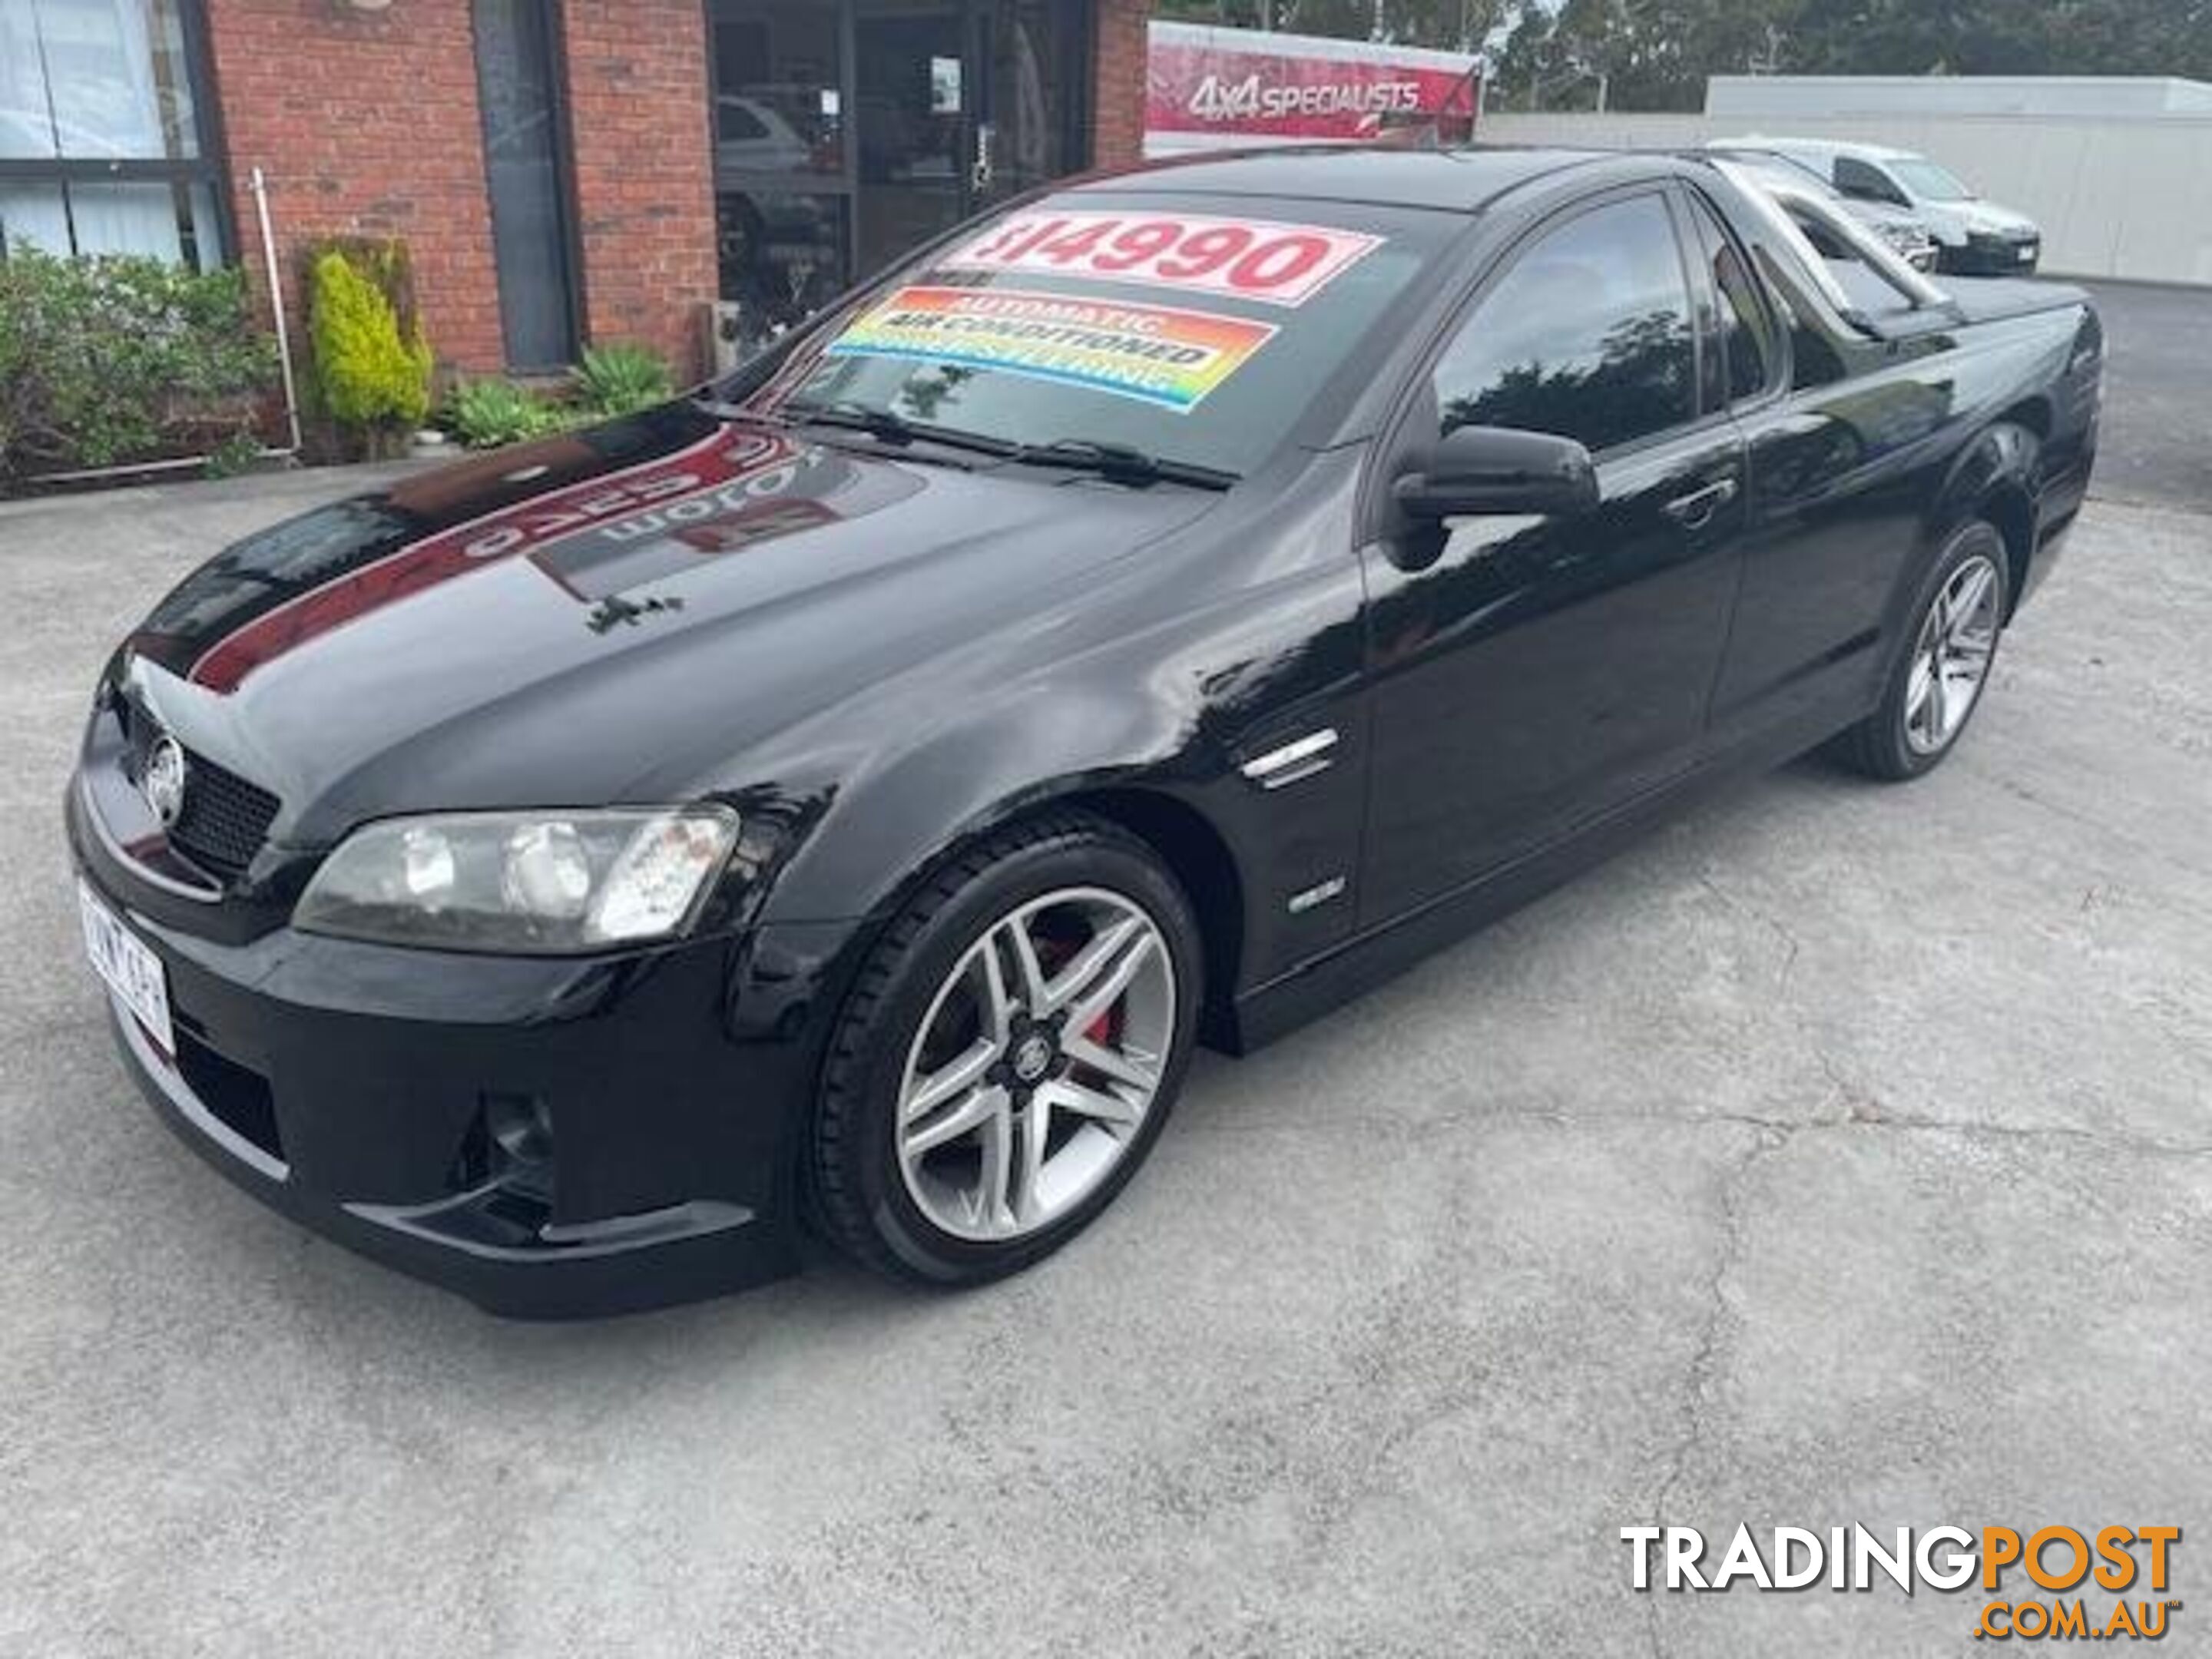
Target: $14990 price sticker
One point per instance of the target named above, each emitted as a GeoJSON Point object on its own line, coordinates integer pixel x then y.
{"type": "Point", "coordinates": [1245, 258]}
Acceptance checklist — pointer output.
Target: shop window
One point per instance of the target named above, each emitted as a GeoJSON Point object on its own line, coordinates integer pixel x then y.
{"type": "Point", "coordinates": [524, 127]}
{"type": "Point", "coordinates": [782, 182]}
{"type": "Point", "coordinates": [848, 131]}
{"type": "Point", "coordinates": [101, 143]}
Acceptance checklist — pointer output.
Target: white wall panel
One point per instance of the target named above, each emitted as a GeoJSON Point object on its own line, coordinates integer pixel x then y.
{"type": "Point", "coordinates": [2116, 196]}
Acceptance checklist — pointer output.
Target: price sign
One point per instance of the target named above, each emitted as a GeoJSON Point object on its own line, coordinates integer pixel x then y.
{"type": "Point", "coordinates": [1283, 265]}
{"type": "Point", "coordinates": [1162, 355]}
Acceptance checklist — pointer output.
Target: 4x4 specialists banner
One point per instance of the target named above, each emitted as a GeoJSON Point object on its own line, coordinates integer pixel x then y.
{"type": "Point", "coordinates": [1245, 86]}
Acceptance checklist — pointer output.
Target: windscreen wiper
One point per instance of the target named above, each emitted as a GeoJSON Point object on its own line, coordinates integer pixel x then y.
{"type": "Point", "coordinates": [723, 411]}
{"type": "Point", "coordinates": [888, 426]}
{"type": "Point", "coordinates": [1123, 463]}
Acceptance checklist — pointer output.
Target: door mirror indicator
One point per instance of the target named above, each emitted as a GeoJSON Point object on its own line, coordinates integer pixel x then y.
{"type": "Point", "coordinates": [1480, 470]}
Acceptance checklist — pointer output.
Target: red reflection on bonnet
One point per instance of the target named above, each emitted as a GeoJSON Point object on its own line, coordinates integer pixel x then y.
{"type": "Point", "coordinates": [712, 463]}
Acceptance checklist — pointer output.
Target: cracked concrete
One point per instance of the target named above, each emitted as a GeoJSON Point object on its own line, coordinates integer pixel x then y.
{"type": "Point", "coordinates": [1697, 1376]}
{"type": "Point", "coordinates": [1837, 1154]}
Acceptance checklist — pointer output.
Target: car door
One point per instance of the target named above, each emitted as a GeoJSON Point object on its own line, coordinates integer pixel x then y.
{"type": "Point", "coordinates": [1530, 674]}
{"type": "Point", "coordinates": [1837, 439]}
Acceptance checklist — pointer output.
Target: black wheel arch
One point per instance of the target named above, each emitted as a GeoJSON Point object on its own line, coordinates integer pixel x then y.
{"type": "Point", "coordinates": [1192, 846]}
{"type": "Point", "coordinates": [1997, 476]}
{"type": "Point", "coordinates": [834, 1170]}
{"type": "Point", "coordinates": [1204, 865]}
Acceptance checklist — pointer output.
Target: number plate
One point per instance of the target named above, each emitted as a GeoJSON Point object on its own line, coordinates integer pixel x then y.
{"type": "Point", "coordinates": [2025, 252]}
{"type": "Point", "coordinates": [133, 972]}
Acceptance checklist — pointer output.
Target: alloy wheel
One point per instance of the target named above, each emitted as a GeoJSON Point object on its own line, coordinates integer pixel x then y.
{"type": "Point", "coordinates": [1951, 657]}
{"type": "Point", "coordinates": [1035, 1064]}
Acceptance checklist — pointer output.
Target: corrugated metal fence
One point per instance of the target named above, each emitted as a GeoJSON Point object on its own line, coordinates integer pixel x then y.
{"type": "Point", "coordinates": [2116, 196]}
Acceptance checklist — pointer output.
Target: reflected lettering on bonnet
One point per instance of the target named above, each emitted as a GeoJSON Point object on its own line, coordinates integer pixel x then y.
{"type": "Point", "coordinates": [593, 540]}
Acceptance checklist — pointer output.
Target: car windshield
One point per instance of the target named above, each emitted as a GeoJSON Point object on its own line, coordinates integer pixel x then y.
{"type": "Point", "coordinates": [1192, 331]}
{"type": "Point", "coordinates": [1930, 182]}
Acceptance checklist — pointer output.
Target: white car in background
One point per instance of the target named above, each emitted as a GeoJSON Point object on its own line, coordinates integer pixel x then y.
{"type": "Point", "coordinates": [1973, 237]}
{"type": "Point", "coordinates": [1902, 230]}
{"type": "Point", "coordinates": [751, 136]}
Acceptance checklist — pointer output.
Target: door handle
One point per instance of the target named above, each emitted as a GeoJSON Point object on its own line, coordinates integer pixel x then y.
{"type": "Point", "coordinates": [985, 170]}
{"type": "Point", "coordinates": [1695, 510]}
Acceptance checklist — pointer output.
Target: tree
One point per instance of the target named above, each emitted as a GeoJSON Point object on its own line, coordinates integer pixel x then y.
{"type": "Point", "coordinates": [2002, 37]}
{"type": "Point", "coordinates": [1656, 54]}
{"type": "Point", "coordinates": [1646, 54]}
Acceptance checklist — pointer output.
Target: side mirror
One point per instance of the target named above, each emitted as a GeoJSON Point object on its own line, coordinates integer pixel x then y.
{"type": "Point", "coordinates": [1479, 470]}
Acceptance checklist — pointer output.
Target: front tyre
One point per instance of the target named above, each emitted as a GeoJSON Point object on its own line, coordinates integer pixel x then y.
{"type": "Point", "coordinates": [1933, 692]}
{"type": "Point", "coordinates": [1008, 1055]}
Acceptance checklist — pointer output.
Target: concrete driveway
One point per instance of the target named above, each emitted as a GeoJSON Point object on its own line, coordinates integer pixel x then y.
{"type": "Point", "coordinates": [2158, 422]}
{"type": "Point", "coordinates": [1839, 1154]}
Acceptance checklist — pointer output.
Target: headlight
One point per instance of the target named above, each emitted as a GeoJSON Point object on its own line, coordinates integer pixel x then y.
{"type": "Point", "coordinates": [538, 882]}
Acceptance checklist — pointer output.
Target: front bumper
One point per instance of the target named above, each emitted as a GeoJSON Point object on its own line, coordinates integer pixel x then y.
{"type": "Point", "coordinates": [1985, 255]}
{"type": "Point", "coordinates": [361, 1089]}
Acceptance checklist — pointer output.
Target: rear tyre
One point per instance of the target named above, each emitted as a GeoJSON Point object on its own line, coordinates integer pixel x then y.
{"type": "Point", "coordinates": [1009, 1054]}
{"type": "Point", "coordinates": [1958, 618]}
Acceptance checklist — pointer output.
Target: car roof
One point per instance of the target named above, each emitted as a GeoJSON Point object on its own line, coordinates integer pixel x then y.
{"type": "Point", "coordinates": [1821, 146]}
{"type": "Point", "coordinates": [1764, 157]}
{"type": "Point", "coordinates": [1460, 179]}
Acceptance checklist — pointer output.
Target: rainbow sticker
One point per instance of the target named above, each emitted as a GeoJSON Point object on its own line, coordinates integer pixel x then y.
{"type": "Point", "coordinates": [1158, 354]}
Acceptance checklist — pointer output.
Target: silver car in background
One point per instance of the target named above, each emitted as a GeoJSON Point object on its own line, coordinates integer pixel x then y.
{"type": "Point", "coordinates": [1900, 228]}
{"type": "Point", "coordinates": [1973, 237]}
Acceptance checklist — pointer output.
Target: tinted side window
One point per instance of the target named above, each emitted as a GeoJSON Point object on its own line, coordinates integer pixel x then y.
{"type": "Point", "coordinates": [1587, 335]}
{"type": "Point", "coordinates": [1737, 345]}
{"type": "Point", "coordinates": [1855, 177]}
{"type": "Point", "coordinates": [1812, 360]}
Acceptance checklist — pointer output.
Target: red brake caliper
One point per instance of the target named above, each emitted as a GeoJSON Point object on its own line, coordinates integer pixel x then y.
{"type": "Point", "coordinates": [1104, 1029]}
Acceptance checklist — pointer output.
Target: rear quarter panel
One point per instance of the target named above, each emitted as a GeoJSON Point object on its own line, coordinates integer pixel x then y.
{"type": "Point", "coordinates": [1853, 484]}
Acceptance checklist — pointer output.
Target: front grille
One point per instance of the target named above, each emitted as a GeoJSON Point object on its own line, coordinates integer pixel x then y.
{"type": "Point", "coordinates": [225, 819]}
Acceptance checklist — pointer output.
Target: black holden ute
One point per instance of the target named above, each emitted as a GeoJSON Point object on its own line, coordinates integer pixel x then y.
{"type": "Point", "coordinates": [843, 796]}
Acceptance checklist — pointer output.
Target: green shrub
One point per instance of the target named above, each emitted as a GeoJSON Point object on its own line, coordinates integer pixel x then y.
{"type": "Point", "coordinates": [109, 361]}
{"type": "Point", "coordinates": [238, 452]}
{"type": "Point", "coordinates": [372, 369]}
{"type": "Point", "coordinates": [617, 378]}
{"type": "Point", "coordinates": [485, 414]}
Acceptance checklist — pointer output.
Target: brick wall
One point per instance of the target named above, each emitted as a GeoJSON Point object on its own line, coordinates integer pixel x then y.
{"type": "Point", "coordinates": [638, 103]}
{"type": "Point", "coordinates": [367, 122]}
{"type": "Point", "coordinates": [1117, 107]}
{"type": "Point", "coordinates": [364, 123]}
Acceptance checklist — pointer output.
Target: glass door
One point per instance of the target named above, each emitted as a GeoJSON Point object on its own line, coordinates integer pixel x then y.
{"type": "Point", "coordinates": [783, 172]}
{"type": "Point", "coordinates": [961, 104]}
{"type": "Point", "coordinates": [1026, 60]}
{"type": "Point", "coordinates": [915, 119]}
{"type": "Point", "coordinates": [846, 134]}
{"type": "Point", "coordinates": [518, 94]}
